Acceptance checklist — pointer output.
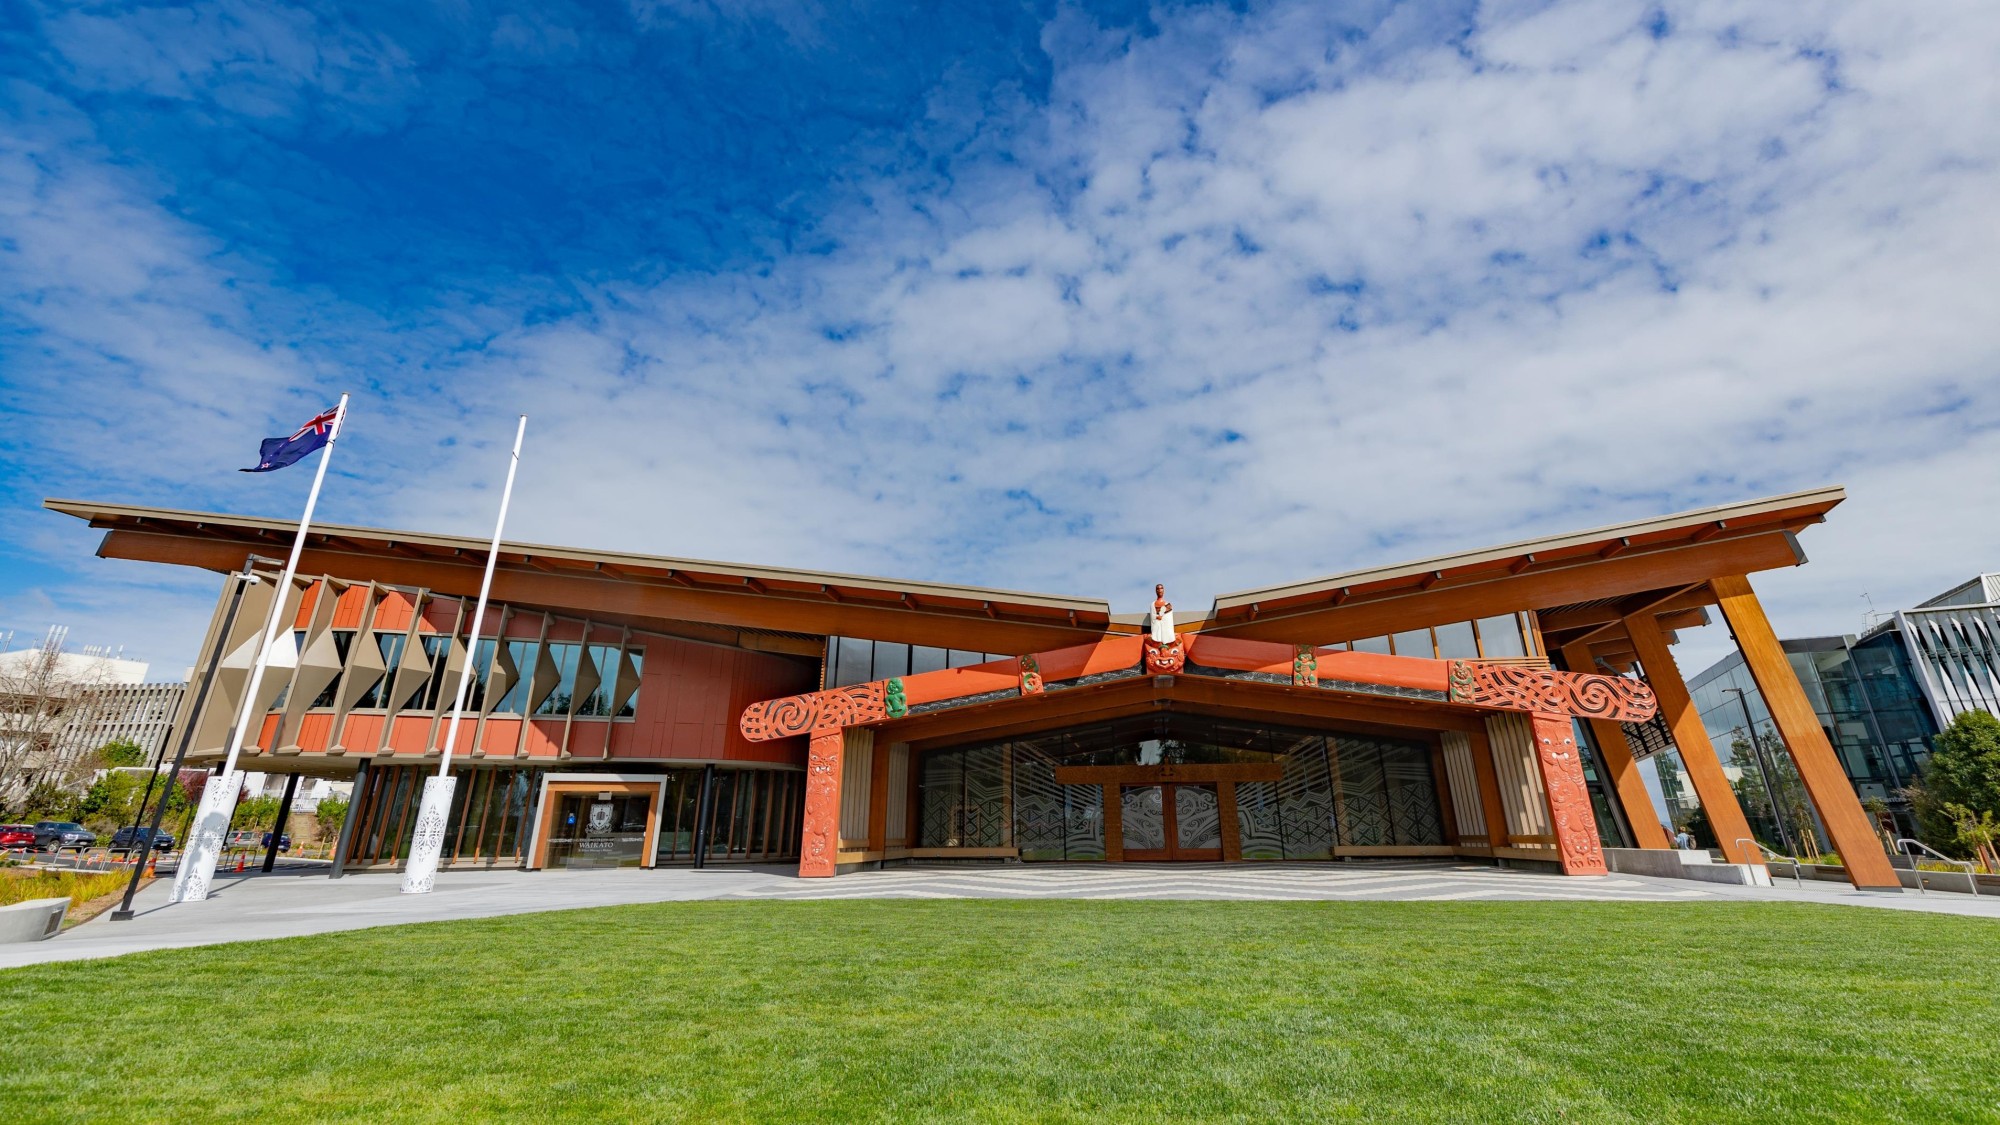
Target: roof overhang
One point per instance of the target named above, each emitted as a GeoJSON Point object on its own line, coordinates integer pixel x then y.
{"type": "Point", "coordinates": [1658, 557]}
{"type": "Point", "coordinates": [615, 585]}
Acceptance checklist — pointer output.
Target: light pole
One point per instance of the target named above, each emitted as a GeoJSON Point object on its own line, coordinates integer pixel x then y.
{"type": "Point", "coordinates": [1763, 769]}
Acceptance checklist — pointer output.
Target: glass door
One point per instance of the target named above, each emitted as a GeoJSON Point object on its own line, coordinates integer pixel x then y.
{"type": "Point", "coordinates": [599, 830]}
{"type": "Point", "coordinates": [1173, 822]}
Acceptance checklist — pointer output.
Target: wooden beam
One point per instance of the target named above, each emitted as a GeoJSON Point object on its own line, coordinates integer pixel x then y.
{"type": "Point", "coordinates": [1711, 785]}
{"type": "Point", "coordinates": [603, 597]}
{"type": "Point", "coordinates": [1615, 756]}
{"type": "Point", "coordinates": [1832, 794]}
{"type": "Point", "coordinates": [1555, 585]}
{"type": "Point", "coordinates": [1494, 809]}
{"type": "Point", "coordinates": [1673, 600]}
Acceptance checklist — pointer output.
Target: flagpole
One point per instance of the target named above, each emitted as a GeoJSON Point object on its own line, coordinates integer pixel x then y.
{"type": "Point", "coordinates": [427, 844]}
{"type": "Point", "coordinates": [218, 799]}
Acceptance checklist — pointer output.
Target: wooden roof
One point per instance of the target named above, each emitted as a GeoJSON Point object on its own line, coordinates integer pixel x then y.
{"type": "Point", "coordinates": [613, 584]}
{"type": "Point", "coordinates": [1605, 565]}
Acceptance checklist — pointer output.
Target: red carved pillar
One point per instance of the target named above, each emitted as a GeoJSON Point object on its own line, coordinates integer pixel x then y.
{"type": "Point", "coordinates": [1569, 799]}
{"type": "Point", "coordinates": [820, 844]}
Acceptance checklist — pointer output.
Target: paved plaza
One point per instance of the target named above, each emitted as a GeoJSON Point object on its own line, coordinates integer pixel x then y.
{"type": "Point", "coordinates": [292, 902]}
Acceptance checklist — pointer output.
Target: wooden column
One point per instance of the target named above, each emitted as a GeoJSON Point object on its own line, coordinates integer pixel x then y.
{"type": "Point", "coordinates": [1489, 790]}
{"type": "Point", "coordinates": [1570, 817]}
{"type": "Point", "coordinates": [820, 845]}
{"type": "Point", "coordinates": [1443, 780]}
{"type": "Point", "coordinates": [1826, 782]}
{"type": "Point", "coordinates": [1615, 756]}
{"type": "Point", "coordinates": [1718, 800]}
{"type": "Point", "coordinates": [878, 797]}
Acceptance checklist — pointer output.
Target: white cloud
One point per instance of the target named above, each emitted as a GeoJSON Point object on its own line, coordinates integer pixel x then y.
{"type": "Point", "coordinates": [1246, 301]}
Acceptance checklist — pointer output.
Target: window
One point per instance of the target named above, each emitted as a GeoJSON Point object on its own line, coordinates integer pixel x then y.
{"type": "Point", "coordinates": [391, 647]}
{"type": "Point", "coordinates": [638, 658]}
{"type": "Point", "coordinates": [890, 660]}
{"type": "Point", "coordinates": [1378, 645]}
{"type": "Point", "coordinates": [1416, 642]}
{"type": "Point", "coordinates": [564, 657]}
{"type": "Point", "coordinates": [515, 702]}
{"type": "Point", "coordinates": [605, 658]}
{"type": "Point", "coordinates": [1455, 641]}
{"type": "Point", "coordinates": [1500, 637]}
{"type": "Point", "coordinates": [431, 691]}
{"type": "Point", "coordinates": [925, 659]}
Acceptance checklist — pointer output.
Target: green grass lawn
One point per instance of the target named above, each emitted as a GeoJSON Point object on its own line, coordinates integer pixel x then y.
{"type": "Point", "coordinates": [1080, 1011]}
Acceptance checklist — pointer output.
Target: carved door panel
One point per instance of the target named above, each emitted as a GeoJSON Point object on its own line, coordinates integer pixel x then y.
{"type": "Point", "coordinates": [1162, 823]}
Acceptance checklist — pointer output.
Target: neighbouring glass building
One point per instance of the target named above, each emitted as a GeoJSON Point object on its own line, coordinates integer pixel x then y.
{"type": "Point", "coordinates": [1868, 702]}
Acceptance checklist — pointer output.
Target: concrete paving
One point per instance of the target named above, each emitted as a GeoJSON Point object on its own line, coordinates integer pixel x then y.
{"type": "Point", "coordinates": [302, 900]}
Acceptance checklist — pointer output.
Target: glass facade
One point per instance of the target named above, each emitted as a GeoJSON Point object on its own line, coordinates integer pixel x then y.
{"type": "Point", "coordinates": [1491, 638]}
{"type": "Point", "coordinates": [1870, 708]}
{"type": "Point", "coordinates": [1333, 789]}
{"type": "Point", "coordinates": [755, 816]}
{"type": "Point", "coordinates": [850, 660]}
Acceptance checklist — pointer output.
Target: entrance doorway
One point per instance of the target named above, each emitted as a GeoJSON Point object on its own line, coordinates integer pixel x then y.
{"type": "Point", "coordinates": [1171, 822]}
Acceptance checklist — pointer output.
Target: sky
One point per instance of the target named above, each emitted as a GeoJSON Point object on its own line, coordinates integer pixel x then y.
{"type": "Point", "coordinates": [1060, 297]}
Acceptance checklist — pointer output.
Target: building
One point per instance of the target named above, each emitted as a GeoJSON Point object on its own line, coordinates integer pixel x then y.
{"type": "Point", "coordinates": [1880, 697]}
{"type": "Point", "coordinates": [1952, 642]}
{"type": "Point", "coordinates": [140, 713]}
{"type": "Point", "coordinates": [1868, 702]}
{"type": "Point", "coordinates": [642, 710]}
{"type": "Point", "coordinates": [56, 706]}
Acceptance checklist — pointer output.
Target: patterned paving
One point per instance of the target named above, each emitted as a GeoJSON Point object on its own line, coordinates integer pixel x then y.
{"type": "Point", "coordinates": [1382, 881]}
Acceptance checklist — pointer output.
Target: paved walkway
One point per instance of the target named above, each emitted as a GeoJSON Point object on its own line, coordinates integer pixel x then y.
{"type": "Point", "coordinates": [288, 903]}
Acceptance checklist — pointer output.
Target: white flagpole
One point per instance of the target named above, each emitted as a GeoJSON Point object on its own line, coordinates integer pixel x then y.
{"type": "Point", "coordinates": [427, 844]}
{"type": "Point", "coordinates": [218, 800]}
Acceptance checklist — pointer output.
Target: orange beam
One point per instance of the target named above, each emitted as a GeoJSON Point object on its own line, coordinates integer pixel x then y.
{"type": "Point", "coordinates": [1615, 755]}
{"type": "Point", "coordinates": [1718, 800]}
{"type": "Point", "coordinates": [1826, 783]}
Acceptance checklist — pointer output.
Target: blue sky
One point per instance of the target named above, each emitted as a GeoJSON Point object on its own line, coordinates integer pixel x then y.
{"type": "Point", "coordinates": [1051, 296]}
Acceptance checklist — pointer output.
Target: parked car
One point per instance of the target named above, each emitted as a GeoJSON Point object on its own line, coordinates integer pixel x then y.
{"type": "Point", "coordinates": [128, 838]}
{"type": "Point", "coordinates": [251, 838]}
{"type": "Point", "coordinates": [55, 835]}
{"type": "Point", "coordinates": [17, 835]}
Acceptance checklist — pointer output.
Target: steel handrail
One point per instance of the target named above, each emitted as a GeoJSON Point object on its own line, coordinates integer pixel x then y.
{"type": "Point", "coordinates": [1774, 854]}
{"type": "Point", "coordinates": [1971, 869]}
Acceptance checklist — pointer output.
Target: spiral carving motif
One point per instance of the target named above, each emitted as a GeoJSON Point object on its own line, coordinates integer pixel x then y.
{"type": "Point", "coordinates": [1569, 800]}
{"type": "Point", "coordinates": [815, 711]}
{"type": "Point", "coordinates": [1510, 688]}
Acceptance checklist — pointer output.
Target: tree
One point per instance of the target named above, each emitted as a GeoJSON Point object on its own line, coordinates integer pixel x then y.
{"type": "Point", "coordinates": [114, 798]}
{"type": "Point", "coordinates": [331, 814]}
{"type": "Point", "coordinates": [1977, 833]}
{"type": "Point", "coordinates": [121, 752]}
{"type": "Point", "coordinates": [49, 801]}
{"type": "Point", "coordinates": [1964, 770]}
{"type": "Point", "coordinates": [255, 813]}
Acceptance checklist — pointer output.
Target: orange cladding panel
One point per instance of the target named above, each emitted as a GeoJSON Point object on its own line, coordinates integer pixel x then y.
{"type": "Point", "coordinates": [348, 607]}
{"type": "Point", "coordinates": [393, 612]}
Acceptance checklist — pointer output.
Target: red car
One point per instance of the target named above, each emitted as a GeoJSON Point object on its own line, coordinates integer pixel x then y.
{"type": "Point", "coordinates": [17, 835]}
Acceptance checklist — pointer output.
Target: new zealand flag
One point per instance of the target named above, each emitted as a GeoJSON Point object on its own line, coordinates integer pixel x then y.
{"type": "Point", "coordinates": [278, 452]}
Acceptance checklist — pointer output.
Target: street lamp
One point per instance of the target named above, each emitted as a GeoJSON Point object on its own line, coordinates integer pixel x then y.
{"type": "Point", "coordinates": [1763, 768]}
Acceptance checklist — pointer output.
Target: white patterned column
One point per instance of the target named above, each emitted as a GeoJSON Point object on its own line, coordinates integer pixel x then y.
{"type": "Point", "coordinates": [428, 843]}
{"type": "Point", "coordinates": [205, 836]}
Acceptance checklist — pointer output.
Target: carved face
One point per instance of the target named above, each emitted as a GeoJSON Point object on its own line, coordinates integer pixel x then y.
{"type": "Point", "coordinates": [1159, 589]}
